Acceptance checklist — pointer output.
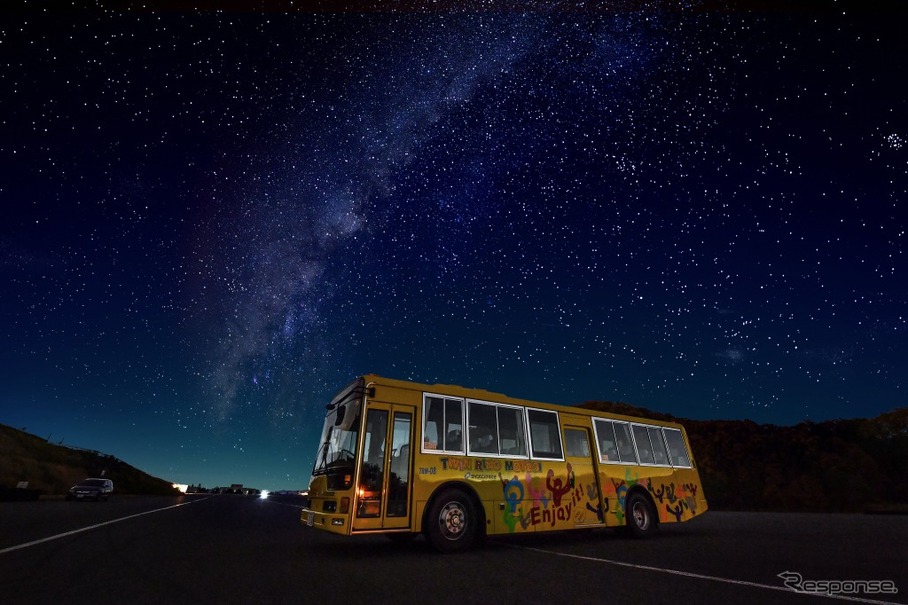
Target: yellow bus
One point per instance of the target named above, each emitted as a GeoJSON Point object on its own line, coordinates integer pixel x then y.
{"type": "Point", "coordinates": [457, 464]}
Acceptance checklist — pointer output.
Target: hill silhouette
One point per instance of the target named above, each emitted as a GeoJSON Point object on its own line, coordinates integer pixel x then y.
{"type": "Point", "coordinates": [52, 469]}
{"type": "Point", "coordinates": [832, 466]}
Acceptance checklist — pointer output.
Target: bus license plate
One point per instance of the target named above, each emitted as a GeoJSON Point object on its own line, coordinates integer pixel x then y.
{"type": "Point", "coordinates": [310, 518]}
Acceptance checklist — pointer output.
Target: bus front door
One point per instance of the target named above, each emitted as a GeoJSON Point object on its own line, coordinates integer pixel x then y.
{"type": "Point", "coordinates": [383, 493]}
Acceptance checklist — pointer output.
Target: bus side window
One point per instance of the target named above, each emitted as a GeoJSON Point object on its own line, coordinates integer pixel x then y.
{"type": "Point", "coordinates": [455, 439]}
{"type": "Point", "coordinates": [483, 428]}
{"type": "Point", "coordinates": [608, 448]}
{"type": "Point", "coordinates": [644, 448]}
{"type": "Point", "coordinates": [443, 420]}
{"type": "Point", "coordinates": [677, 451]}
{"type": "Point", "coordinates": [454, 425]}
{"type": "Point", "coordinates": [511, 432]}
{"type": "Point", "coordinates": [576, 443]}
{"type": "Point", "coordinates": [625, 447]}
{"type": "Point", "coordinates": [659, 453]}
{"type": "Point", "coordinates": [434, 415]}
{"type": "Point", "coordinates": [545, 436]}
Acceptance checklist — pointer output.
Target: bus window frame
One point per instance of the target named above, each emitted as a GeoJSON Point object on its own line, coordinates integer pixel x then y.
{"type": "Point", "coordinates": [646, 428]}
{"type": "Point", "coordinates": [424, 418]}
{"type": "Point", "coordinates": [580, 430]}
{"type": "Point", "coordinates": [530, 444]}
{"type": "Point", "coordinates": [659, 429]}
{"type": "Point", "coordinates": [612, 422]}
{"type": "Point", "coordinates": [683, 443]}
{"type": "Point", "coordinates": [599, 452]}
{"type": "Point", "coordinates": [519, 409]}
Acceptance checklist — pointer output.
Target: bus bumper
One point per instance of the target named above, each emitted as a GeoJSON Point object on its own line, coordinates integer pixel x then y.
{"type": "Point", "coordinates": [336, 524]}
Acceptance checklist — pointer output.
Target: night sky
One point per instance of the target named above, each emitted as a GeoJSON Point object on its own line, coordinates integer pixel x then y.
{"type": "Point", "coordinates": [214, 221]}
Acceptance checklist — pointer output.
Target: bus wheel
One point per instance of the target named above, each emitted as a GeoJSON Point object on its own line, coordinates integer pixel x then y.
{"type": "Point", "coordinates": [451, 524]}
{"type": "Point", "coordinates": [641, 518]}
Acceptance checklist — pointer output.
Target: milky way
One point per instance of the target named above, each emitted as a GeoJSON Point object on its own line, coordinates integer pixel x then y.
{"type": "Point", "coordinates": [322, 182]}
{"type": "Point", "coordinates": [218, 220]}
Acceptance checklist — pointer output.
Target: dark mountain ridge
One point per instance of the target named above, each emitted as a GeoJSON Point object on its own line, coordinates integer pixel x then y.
{"type": "Point", "coordinates": [831, 466]}
{"type": "Point", "coordinates": [51, 469]}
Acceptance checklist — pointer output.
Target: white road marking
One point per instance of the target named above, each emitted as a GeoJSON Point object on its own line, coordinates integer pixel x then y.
{"type": "Point", "coordinates": [687, 574]}
{"type": "Point", "coordinates": [90, 527]}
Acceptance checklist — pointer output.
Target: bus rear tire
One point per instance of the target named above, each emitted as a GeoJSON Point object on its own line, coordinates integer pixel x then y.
{"type": "Point", "coordinates": [452, 522]}
{"type": "Point", "coordinates": [641, 518]}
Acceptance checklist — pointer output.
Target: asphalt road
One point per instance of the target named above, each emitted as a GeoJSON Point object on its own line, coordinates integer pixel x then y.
{"type": "Point", "coordinates": [235, 549]}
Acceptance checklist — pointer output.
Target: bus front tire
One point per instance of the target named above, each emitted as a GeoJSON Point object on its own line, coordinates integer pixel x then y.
{"type": "Point", "coordinates": [452, 522]}
{"type": "Point", "coordinates": [641, 518]}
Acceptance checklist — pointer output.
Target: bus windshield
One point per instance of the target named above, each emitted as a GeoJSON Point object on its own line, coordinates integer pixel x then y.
{"type": "Point", "coordinates": [337, 445]}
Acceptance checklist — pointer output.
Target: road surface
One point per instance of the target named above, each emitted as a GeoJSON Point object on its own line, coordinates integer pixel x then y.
{"type": "Point", "coordinates": [235, 549]}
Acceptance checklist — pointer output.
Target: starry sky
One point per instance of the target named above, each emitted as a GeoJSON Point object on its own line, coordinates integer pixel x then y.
{"type": "Point", "coordinates": [213, 221]}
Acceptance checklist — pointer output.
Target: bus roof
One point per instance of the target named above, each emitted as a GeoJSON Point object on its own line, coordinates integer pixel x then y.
{"type": "Point", "coordinates": [484, 395]}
